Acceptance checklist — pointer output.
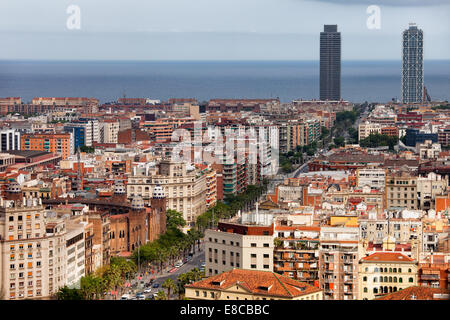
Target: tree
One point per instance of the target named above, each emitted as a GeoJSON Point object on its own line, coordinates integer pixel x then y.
{"type": "Point", "coordinates": [339, 141]}
{"type": "Point", "coordinates": [161, 295]}
{"type": "Point", "coordinates": [174, 219]}
{"type": "Point", "coordinates": [87, 149]}
{"type": "Point", "coordinates": [92, 287]}
{"type": "Point", "coordinates": [66, 293]}
{"type": "Point", "coordinates": [277, 243]}
{"type": "Point", "coordinates": [170, 285]}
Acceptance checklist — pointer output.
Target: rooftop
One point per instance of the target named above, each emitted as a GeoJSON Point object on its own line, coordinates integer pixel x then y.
{"type": "Point", "coordinates": [257, 282]}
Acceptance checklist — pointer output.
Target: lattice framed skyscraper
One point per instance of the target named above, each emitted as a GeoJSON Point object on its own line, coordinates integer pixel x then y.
{"type": "Point", "coordinates": [412, 65]}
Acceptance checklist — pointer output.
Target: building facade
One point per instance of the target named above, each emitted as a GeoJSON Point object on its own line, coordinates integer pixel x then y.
{"type": "Point", "coordinates": [330, 63]}
{"type": "Point", "coordinates": [412, 65]}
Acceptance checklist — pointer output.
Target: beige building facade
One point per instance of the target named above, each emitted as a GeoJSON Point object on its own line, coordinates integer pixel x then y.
{"type": "Point", "coordinates": [185, 189]}
{"type": "Point", "coordinates": [238, 246]}
{"type": "Point", "coordinates": [32, 254]}
{"type": "Point", "coordinates": [385, 272]}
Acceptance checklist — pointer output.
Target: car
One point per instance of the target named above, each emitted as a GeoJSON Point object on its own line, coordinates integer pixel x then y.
{"type": "Point", "coordinates": [125, 297]}
{"type": "Point", "coordinates": [203, 265]}
{"type": "Point", "coordinates": [156, 285]}
{"type": "Point", "coordinates": [140, 297]}
{"type": "Point", "coordinates": [179, 264]}
{"type": "Point", "coordinates": [150, 296]}
{"type": "Point", "coordinates": [148, 290]}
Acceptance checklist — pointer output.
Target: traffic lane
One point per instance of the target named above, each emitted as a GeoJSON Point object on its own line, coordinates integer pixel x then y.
{"type": "Point", "coordinates": [188, 266]}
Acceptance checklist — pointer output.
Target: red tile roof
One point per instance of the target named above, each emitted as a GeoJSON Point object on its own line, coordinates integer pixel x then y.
{"type": "Point", "coordinates": [418, 293]}
{"type": "Point", "coordinates": [387, 257]}
{"type": "Point", "coordinates": [253, 281]}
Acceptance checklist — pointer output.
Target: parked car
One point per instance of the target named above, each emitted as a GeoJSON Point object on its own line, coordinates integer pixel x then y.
{"type": "Point", "coordinates": [179, 264]}
{"type": "Point", "coordinates": [156, 285]}
{"type": "Point", "coordinates": [151, 296]}
{"type": "Point", "coordinates": [148, 290]}
{"type": "Point", "coordinates": [140, 296]}
{"type": "Point", "coordinates": [125, 297]}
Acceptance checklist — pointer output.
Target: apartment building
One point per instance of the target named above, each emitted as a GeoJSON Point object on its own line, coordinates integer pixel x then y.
{"type": "Point", "coordinates": [109, 131]}
{"type": "Point", "coordinates": [234, 245]}
{"type": "Point", "coordinates": [238, 284]}
{"type": "Point", "coordinates": [184, 187]}
{"type": "Point", "coordinates": [75, 248]}
{"type": "Point", "coordinates": [32, 263]}
{"type": "Point", "coordinates": [296, 253]}
{"type": "Point", "coordinates": [9, 140]}
{"type": "Point", "coordinates": [434, 271]}
{"type": "Point", "coordinates": [376, 228]}
{"type": "Point", "coordinates": [58, 143]}
{"type": "Point", "coordinates": [401, 189]}
{"type": "Point", "coordinates": [367, 128]}
{"type": "Point", "coordinates": [385, 272]}
{"type": "Point", "coordinates": [374, 178]}
{"type": "Point", "coordinates": [338, 261]}
{"type": "Point", "coordinates": [428, 187]}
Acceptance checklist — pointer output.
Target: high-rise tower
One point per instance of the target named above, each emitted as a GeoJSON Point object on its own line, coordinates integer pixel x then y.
{"type": "Point", "coordinates": [412, 66]}
{"type": "Point", "coordinates": [330, 63]}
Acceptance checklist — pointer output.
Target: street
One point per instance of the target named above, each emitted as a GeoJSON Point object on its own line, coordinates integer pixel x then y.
{"type": "Point", "coordinates": [138, 285]}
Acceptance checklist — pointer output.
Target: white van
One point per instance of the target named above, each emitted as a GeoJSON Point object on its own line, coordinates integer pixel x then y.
{"type": "Point", "coordinates": [125, 297]}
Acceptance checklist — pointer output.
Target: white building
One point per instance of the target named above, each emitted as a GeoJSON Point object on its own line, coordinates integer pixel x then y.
{"type": "Point", "coordinates": [9, 140]}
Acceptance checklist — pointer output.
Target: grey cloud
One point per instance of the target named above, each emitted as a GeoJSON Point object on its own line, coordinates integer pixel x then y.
{"type": "Point", "coordinates": [394, 3]}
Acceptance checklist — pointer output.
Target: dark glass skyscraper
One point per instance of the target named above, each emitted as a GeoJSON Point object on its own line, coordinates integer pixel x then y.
{"type": "Point", "coordinates": [330, 63]}
{"type": "Point", "coordinates": [412, 66]}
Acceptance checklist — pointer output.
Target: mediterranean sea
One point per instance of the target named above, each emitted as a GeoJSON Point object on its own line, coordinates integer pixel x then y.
{"type": "Point", "coordinates": [373, 81]}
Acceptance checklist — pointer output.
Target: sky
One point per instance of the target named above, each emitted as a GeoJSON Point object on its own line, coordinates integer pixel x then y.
{"type": "Point", "coordinates": [215, 29]}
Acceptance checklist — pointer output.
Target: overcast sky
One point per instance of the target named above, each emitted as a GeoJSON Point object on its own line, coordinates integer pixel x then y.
{"type": "Point", "coordinates": [216, 29]}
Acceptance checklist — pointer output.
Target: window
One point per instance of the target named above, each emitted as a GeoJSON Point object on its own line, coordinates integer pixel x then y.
{"type": "Point", "coordinates": [411, 279]}
{"type": "Point", "coordinates": [266, 245]}
{"type": "Point", "coordinates": [253, 266]}
{"type": "Point", "coordinates": [197, 293]}
{"type": "Point", "coordinates": [364, 278]}
{"type": "Point", "coordinates": [266, 266]}
{"type": "Point", "coordinates": [253, 245]}
{"type": "Point", "coordinates": [365, 290]}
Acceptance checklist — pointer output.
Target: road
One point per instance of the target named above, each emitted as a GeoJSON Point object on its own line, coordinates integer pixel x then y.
{"type": "Point", "coordinates": [196, 262]}
{"type": "Point", "coordinates": [159, 278]}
